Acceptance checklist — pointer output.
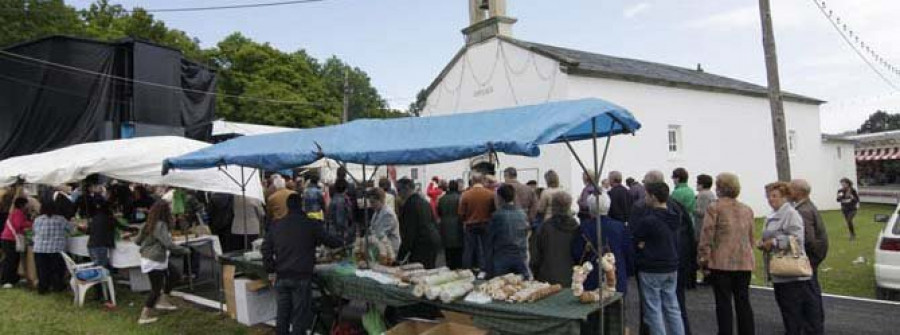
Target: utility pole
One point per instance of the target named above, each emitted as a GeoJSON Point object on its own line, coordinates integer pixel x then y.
{"type": "Point", "coordinates": [345, 116]}
{"type": "Point", "coordinates": [782, 160]}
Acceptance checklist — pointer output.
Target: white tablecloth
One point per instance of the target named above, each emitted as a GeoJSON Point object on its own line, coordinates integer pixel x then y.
{"type": "Point", "coordinates": [126, 253]}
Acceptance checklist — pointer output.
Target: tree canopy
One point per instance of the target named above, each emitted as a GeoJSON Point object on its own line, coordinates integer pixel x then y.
{"type": "Point", "coordinates": [880, 121]}
{"type": "Point", "coordinates": [257, 82]}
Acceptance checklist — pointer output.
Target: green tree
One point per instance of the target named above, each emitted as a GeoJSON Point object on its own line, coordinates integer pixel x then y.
{"type": "Point", "coordinates": [295, 94]}
{"type": "Point", "coordinates": [25, 20]}
{"type": "Point", "coordinates": [365, 102]}
{"type": "Point", "coordinates": [257, 82]}
{"type": "Point", "coordinates": [880, 121]}
{"type": "Point", "coordinates": [417, 107]}
{"type": "Point", "coordinates": [110, 22]}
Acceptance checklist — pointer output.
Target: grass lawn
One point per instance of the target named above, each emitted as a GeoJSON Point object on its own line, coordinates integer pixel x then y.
{"type": "Point", "coordinates": [838, 274]}
{"type": "Point", "coordinates": [23, 311]}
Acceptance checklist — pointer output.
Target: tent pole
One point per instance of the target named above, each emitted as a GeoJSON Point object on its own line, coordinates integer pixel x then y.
{"type": "Point", "coordinates": [372, 176]}
{"type": "Point", "coordinates": [221, 282]}
{"type": "Point", "coordinates": [244, 208]}
{"type": "Point", "coordinates": [365, 217]}
{"type": "Point", "coordinates": [348, 171]}
{"type": "Point", "coordinates": [229, 176]}
{"type": "Point", "coordinates": [580, 163]}
{"type": "Point", "coordinates": [593, 179]}
{"type": "Point", "coordinates": [600, 271]}
{"type": "Point", "coordinates": [597, 171]}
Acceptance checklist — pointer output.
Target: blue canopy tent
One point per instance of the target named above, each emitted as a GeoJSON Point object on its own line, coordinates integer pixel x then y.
{"type": "Point", "coordinates": [517, 130]}
{"type": "Point", "coordinates": [425, 140]}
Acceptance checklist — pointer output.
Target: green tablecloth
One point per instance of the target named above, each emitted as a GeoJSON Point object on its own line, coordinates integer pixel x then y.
{"type": "Point", "coordinates": [560, 313]}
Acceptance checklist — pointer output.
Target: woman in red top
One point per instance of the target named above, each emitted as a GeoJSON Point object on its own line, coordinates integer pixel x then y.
{"type": "Point", "coordinates": [19, 221]}
{"type": "Point", "coordinates": [434, 193]}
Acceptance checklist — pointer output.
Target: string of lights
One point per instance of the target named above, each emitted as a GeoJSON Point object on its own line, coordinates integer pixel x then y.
{"type": "Point", "coordinates": [859, 45]}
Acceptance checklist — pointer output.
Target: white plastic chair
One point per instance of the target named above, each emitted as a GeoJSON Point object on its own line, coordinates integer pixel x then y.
{"type": "Point", "coordinates": [81, 287]}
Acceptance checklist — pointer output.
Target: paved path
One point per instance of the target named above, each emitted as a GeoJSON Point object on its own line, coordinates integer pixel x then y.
{"type": "Point", "coordinates": [842, 316]}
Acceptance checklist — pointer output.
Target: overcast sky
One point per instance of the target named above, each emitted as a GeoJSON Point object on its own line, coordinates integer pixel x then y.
{"type": "Point", "coordinates": [403, 44]}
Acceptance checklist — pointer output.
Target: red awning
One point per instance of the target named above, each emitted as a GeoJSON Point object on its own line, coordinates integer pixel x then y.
{"type": "Point", "coordinates": [878, 154]}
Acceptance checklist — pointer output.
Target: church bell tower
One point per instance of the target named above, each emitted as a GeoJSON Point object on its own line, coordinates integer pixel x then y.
{"type": "Point", "coordinates": [487, 18]}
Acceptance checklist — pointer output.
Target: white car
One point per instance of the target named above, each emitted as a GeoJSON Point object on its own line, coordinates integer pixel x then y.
{"type": "Point", "coordinates": [887, 256]}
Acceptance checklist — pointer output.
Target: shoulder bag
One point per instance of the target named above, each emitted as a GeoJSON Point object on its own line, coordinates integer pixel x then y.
{"type": "Point", "coordinates": [20, 238]}
{"type": "Point", "coordinates": [790, 263]}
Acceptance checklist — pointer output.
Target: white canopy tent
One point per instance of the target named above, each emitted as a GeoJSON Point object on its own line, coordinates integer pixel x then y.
{"type": "Point", "coordinates": [222, 127]}
{"type": "Point", "coordinates": [137, 160]}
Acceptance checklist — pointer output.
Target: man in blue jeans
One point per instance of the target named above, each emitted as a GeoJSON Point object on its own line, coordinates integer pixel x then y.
{"type": "Point", "coordinates": [476, 206]}
{"type": "Point", "coordinates": [656, 240]}
{"type": "Point", "coordinates": [289, 251]}
{"type": "Point", "coordinates": [508, 236]}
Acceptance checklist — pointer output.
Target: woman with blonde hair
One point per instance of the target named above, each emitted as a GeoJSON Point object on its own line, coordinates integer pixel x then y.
{"type": "Point", "coordinates": [725, 254]}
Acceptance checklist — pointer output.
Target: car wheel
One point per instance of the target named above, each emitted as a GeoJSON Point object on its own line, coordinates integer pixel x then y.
{"type": "Point", "coordinates": [883, 293]}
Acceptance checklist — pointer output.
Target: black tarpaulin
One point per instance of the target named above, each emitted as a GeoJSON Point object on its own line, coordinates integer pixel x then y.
{"type": "Point", "coordinates": [44, 107]}
{"type": "Point", "coordinates": [197, 108]}
{"type": "Point", "coordinates": [154, 104]}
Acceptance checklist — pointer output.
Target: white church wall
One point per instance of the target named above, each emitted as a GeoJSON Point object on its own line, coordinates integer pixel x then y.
{"type": "Point", "coordinates": [718, 133]}
{"type": "Point", "coordinates": [813, 160]}
{"type": "Point", "coordinates": [491, 76]}
{"type": "Point", "coordinates": [836, 160]}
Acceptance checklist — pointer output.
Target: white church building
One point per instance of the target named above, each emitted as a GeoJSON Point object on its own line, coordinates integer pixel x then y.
{"type": "Point", "coordinates": [703, 122]}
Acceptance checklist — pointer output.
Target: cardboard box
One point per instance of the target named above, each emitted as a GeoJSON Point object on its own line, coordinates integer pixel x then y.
{"type": "Point", "coordinates": [450, 328]}
{"type": "Point", "coordinates": [457, 317]}
{"type": "Point", "coordinates": [411, 327]}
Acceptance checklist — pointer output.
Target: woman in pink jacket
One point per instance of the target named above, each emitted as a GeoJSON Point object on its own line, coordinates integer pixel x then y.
{"type": "Point", "coordinates": [18, 221]}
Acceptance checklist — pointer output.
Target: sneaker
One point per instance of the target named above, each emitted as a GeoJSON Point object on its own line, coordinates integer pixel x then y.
{"type": "Point", "coordinates": [7, 286]}
{"type": "Point", "coordinates": [146, 317]}
{"type": "Point", "coordinates": [165, 306]}
{"type": "Point", "coordinates": [146, 320]}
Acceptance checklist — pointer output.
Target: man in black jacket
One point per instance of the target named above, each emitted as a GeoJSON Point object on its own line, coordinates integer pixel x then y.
{"type": "Point", "coordinates": [685, 236]}
{"type": "Point", "coordinates": [419, 237]}
{"type": "Point", "coordinates": [289, 256]}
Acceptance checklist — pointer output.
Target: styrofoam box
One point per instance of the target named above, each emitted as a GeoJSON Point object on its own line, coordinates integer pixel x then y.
{"type": "Point", "coordinates": [253, 307]}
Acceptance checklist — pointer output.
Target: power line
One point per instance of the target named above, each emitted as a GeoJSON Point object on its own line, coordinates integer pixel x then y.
{"type": "Point", "coordinates": [253, 5]}
{"type": "Point", "coordinates": [207, 8]}
{"type": "Point", "coordinates": [141, 82]}
{"type": "Point", "coordinates": [844, 32]}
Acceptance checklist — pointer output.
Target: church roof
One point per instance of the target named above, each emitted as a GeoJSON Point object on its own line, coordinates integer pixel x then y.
{"type": "Point", "coordinates": [583, 63]}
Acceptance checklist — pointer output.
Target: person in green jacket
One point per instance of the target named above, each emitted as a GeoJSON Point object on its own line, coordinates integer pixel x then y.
{"type": "Point", "coordinates": [684, 195]}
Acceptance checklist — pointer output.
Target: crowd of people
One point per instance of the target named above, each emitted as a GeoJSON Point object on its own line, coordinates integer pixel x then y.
{"type": "Point", "coordinates": [661, 236]}
{"type": "Point", "coordinates": [664, 237]}
{"type": "Point", "coordinates": [50, 216]}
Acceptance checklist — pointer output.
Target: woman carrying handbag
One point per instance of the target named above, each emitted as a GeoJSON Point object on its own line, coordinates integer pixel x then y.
{"type": "Point", "coordinates": [788, 267]}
